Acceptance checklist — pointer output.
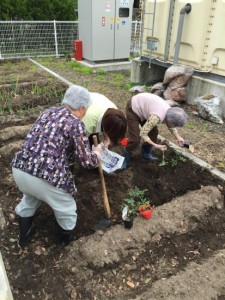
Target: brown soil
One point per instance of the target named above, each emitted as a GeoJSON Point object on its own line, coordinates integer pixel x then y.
{"type": "Point", "coordinates": [185, 233]}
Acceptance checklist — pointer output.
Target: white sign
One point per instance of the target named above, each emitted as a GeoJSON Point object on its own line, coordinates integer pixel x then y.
{"type": "Point", "coordinates": [108, 7]}
{"type": "Point", "coordinates": [124, 2]}
{"type": "Point", "coordinates": [111, 161]}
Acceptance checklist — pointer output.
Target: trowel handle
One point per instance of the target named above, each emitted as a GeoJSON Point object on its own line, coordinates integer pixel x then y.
{"type": "Point", "coordinates": [104, 192]}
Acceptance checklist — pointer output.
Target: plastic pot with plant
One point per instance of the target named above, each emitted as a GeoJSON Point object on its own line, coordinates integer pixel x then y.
{"type": "Point", "coordinates": [135, 204]}
{"type": "Point", "coordinates": [129, 212]}
{"type": "Point", "coordinates": [144, 206]}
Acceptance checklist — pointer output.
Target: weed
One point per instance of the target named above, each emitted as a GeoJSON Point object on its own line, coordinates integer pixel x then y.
{"type": "Point", "coordinates": [10, 107]}
{"type": "Point", "coordinates": [100, 78]}
{"type": "Point", "coordinates": [21, 113]}
{"type": "Point", "coordinates": [86, 70]}
{"type": "Point", "coordinates": [134, 55]}
{"type": "Point", "coordinates": [205, 127]}
{"type": "Point", "coordinates": [119, 77]}
{"type": "Point", "coordinates": [101, 72]}
{"type": "Point", "coordinates": [8, 64]}
{"type": "Point", "coordinates": [118, 80]}
{"type": "Point", "coordinates": [35, 89]}
{"type": "Point", "coordinates": [191, 126]}
{"type": "Point", "coordinates": [220, 165]}
{"type": "Point", "coordinates": [14, 87]}
{"type": "Point", "coordinates": [5, 102]}
{"type": "Point", "coordinates": [129, 85]}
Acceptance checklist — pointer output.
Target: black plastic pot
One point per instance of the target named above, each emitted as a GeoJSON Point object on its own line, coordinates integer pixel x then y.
{"type": "Point", "coordinates": [187, 144]}
{"type": "Point", "coordinates": [128, 224]}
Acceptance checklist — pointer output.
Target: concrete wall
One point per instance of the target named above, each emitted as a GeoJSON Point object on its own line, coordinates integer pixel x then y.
{"type": "Point", "coordinates": [201, 41]}
{"type": "Point", "coordinates": [5, 290]}
{"type": "Point", "coordinates": [197, 86]}
{"type": "Point", "coordinates": [142, 73]}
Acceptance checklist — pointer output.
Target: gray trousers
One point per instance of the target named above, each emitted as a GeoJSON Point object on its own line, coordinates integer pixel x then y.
{"type": "Point", "coordinates": [36, 190]}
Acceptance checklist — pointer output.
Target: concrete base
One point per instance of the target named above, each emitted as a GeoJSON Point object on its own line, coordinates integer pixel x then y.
{"type": "Point", "coordinates": [107, 65]}
{"type": "Point", "coordinates": [142, 72]}
{"type": "Point", "coordinates": [5, 290]}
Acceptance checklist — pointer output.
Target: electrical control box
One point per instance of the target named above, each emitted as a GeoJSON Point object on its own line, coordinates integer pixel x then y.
{"type": "Point", "coordinates": [105, 29]}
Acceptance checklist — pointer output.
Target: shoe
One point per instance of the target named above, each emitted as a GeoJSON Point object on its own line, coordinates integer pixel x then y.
{"type": "Point", "coordinates": [26, 228]}
{"type": "Point", "coordinates": [146, 153]}
{"type": "Point", "coordinates": [65, 237]}
{"type": "Point", "coordinates": [127, 157]}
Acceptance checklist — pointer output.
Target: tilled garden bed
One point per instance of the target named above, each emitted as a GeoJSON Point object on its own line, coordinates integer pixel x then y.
{"type": "Point", "coordinates": [178, 253]}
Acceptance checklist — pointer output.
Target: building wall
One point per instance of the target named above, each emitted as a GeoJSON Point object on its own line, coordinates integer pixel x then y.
{"type": "Point", "coordinates": [203, 41]}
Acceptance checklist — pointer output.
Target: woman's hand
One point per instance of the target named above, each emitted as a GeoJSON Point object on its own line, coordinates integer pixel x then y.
{"type": "Point", "coordinates": [106, 143]}
{"type": "Point", "coordinates": [97, 150]}
{"type": "Point", "coordinates": [161, 147]}
{"type": "Point", "coordinates": [180, 141]}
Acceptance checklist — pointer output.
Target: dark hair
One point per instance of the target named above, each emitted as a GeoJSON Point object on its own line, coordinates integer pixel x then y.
{"type": "Point", "coordinates": [114, 124]}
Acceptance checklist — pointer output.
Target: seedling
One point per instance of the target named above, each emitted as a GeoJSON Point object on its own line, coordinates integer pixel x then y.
{"type": "Point", "coordinates": [14, 87]}
{"type": "Point", "coordinates": [129, 209]}
{"type": "Point", "coordinates": [174, 161]}
{"type": "Point", "coordinates": [163, 162]}
{"type": "Point", "coordinates": [178, 158]}
{"type": "Point", "coordinates": [130, 204]}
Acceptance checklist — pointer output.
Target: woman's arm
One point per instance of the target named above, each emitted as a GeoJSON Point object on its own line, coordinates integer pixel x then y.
{"type": "Point", "coordinates": [87, 157]}
{"type": "Point", "coordinates": [175, 133]}
{"type": "Point", "coordinates": [152, 121]}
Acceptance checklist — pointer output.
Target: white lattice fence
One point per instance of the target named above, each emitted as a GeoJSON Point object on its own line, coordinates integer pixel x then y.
{"type": "Point", "coordinates": [20, 39]}
{"type": "Point", "coordinates": [29, 39]}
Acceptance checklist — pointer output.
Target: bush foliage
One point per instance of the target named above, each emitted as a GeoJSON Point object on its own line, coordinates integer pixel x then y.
{"type": "Point", "coordinates": [29, 10]}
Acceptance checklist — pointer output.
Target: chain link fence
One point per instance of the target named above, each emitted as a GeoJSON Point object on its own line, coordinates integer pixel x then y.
{"type": "Point", "coordinates": [20, 39]}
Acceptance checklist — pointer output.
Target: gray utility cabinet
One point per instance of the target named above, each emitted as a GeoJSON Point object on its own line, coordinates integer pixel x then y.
{"type": "Point", "coordinates": [105, 29]}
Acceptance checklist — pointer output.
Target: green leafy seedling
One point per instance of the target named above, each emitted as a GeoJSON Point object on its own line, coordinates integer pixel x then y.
{"type": "Point", "coordinates": [163, 162]}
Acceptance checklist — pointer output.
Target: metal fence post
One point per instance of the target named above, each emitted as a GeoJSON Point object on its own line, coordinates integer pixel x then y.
{"type": "Point", "coordinates": [56, 42]}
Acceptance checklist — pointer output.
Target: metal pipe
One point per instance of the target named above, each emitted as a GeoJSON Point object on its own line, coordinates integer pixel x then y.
{"type": "Point", "coordinates": [169, 30]}
{"type": "Point", "coordinates": [184, 10]}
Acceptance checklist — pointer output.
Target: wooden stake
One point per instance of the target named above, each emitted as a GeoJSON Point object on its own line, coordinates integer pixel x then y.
{"type": "Point", "coordinates": [102, 179]}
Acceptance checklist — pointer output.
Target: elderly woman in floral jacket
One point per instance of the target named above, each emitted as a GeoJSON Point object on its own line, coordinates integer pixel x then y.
{"type": "Point", "coordinates": [41, 166]}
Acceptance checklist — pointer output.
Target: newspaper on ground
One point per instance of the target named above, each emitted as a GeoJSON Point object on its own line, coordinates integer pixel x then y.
{"type": "Point", "coordinates": [111, 161]}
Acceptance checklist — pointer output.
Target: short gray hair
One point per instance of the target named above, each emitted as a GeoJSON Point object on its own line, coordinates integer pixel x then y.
{"type": "Point", "coordinates": [76, 96]}
{"type": "Point", "coordinates": [176, 117]}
